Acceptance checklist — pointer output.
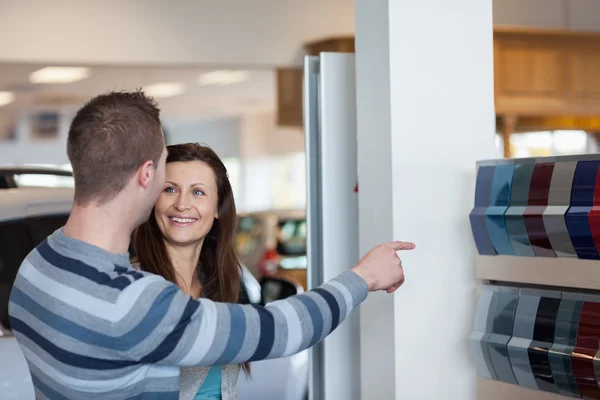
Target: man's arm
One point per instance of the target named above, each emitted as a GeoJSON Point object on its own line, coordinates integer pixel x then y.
{"type": "Point", "coordinates": [178, 330]}
{"type": "Point", "coordinates": [172, 328]}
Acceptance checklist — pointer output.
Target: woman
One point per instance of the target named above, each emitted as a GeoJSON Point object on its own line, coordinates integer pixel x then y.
{"type": "Point", "coordinates": [189, 234]}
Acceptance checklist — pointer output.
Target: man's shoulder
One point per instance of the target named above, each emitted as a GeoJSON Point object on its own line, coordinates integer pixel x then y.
{"type": "Point", "coordinates": [49, 265]}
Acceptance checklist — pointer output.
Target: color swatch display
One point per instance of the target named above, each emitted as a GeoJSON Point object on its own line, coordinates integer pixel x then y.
{"type": "Point", "coordinates": [544, 207]}
{"type": "Point", "coordinates": [538, 339]}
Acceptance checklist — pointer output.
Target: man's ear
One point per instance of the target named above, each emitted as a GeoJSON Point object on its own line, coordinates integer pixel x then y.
{"type": "Point", "coordinates": [146, 173]}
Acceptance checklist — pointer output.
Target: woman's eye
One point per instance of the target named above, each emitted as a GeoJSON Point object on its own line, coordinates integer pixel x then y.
{"type": "Point", "coordinates": [198, 193]}
{"type": "Point", "coordinates": [170, 189]}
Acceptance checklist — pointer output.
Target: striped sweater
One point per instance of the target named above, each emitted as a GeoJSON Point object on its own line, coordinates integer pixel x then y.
{"type": "Point", "coordinates": [91, 326]}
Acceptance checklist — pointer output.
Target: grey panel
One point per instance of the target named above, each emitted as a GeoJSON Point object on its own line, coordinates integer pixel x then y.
{"type": "Point", "coordinates": [506, 304]}
{"type": "Point", "coordinates": [593, 298]}
{"type": "Point", "coordinates": [519, 192]}
{"type": "Point", "coordinates": [559, 199]}
{"type": "Point", "coordinates": [555, 294]}
{"type": "Point", "coordinates": [565, 338]}
{"type": "Point", "coordinates": [522, 337]}
{"type": "Point", "coordinates": [515, 227]}
{"type": "Point", "coordinates": [560, 185]}
{"type": "Point", "coordinates": [556, 229]}
{"type": "Point", "coordinates": [312, 137]}
{"type": "Point", "coordinates": [552, 294]}
{"type": "Point", "coordinates": [519, 196]}
{"type": "Point", "coordinates": [572, 296]}
{"type": "Point", "coordinates": [578, 157]}
{"type": "Point", "coordinates": [527, 160]}
{"type": "Point", "coordinates": [484, 314]}
{"type": "Point", "coordinates": [495, 161]}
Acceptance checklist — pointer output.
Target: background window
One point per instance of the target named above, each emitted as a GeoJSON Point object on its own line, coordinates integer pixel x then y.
{"type": "Point", "coordinates": [548, 143]}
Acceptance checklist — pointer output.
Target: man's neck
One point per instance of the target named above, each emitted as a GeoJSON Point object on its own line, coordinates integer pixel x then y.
{"type": "Point", "coordinates": [102, 226]}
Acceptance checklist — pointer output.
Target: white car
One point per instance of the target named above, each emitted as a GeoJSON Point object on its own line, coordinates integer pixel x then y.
{"type": "Point", "coordinates": [13, 176]}
{"type": "Point", "coordinates": [32, 211]}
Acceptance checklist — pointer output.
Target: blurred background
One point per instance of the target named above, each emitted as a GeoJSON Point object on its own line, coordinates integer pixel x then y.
{"type": "Point", "coordinates": [237, 86]}
{"type": "Point", "coordinates": [229, 74]}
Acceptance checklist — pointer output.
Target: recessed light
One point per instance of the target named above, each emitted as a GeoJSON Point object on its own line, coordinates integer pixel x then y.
{"type": "Point", "coordinates": [59, 75]}
{"type": "Point", "coordinates": [164, 89]}
{"type": "Point", "coordinates": [6, 98]}
{"type": "Point", "coordinates": [222, 77]}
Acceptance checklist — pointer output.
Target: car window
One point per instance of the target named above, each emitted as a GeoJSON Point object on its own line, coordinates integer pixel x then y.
{"type": "Point", "coordinates": [15, 244]}
{"type": "Point", "coordinates": [17, 239]}
{"type": "Point", "coordinates": [3, 182]}
{"type": "Point", "coordinates": [291, 237]}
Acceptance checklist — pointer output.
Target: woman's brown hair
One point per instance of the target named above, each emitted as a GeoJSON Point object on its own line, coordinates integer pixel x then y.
{"type": "Point", "coordinates": [218, 263]}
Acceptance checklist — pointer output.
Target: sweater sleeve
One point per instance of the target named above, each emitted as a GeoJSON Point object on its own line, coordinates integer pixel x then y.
{"type": "Point", "coordinates": [174, 329]}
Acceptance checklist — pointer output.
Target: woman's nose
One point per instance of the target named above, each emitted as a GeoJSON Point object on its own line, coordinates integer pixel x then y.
{"type": "Point", "coordinates": [182, 203]}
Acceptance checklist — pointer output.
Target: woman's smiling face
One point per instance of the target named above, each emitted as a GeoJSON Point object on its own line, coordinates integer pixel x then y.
{"type": "Point", "coordinates": [188, 204]}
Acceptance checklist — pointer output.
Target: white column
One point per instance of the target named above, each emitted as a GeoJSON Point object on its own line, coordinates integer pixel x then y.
{"type": "Point", "coordinates": [374, 190]}
{"type": "Point", "coordinates": [425, 115]}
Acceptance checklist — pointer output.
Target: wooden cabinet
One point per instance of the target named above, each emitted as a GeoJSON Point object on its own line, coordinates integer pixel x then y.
{"type": "Point", "coordinates": [584, 72]}
{"type": "Point", "coordinates": [546, 73]}
{"type": "Point", "coordinates": [290, 80]}
{"type": "Point", "coordinates": [528, 74]}
{"type": "Point", "coordinates": [289, 96]}
{"type": "Point", "coordinates": [342, 44]}
{"type": "Point", "coordinates": [537, 73]}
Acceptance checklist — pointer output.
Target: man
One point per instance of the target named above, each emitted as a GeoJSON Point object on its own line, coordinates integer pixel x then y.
{"type": "Point", "coordinates": [90, 326]}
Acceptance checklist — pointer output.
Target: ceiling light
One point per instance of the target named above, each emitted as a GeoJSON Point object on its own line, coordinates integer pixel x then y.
{"type": "Point", "coordinates": [222, 77]}
{"type": "Point", "coordinates": [59, 75]}
{"type": "Point", "coordinates": [164, 89]}
{"type": "Point", "coordinates": [6, 98]}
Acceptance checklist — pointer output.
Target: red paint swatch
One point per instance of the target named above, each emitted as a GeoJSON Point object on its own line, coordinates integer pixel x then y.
{"type": "Point", "coordinates": [539, 189]}
{"type": "Point", "coordinates": [588, 343]}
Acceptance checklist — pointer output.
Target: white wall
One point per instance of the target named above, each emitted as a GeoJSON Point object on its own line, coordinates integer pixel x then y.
{"type": "Point", "coordinates": [425, 106]}
{"type": "Point", "coordinates": [551, 14]}
{"type": "Point", "coordinates": [224, 32]}
{"type": "Point", "coordinates": [222, 135]}
{"type": "Point", "coordinates": [257, 32]}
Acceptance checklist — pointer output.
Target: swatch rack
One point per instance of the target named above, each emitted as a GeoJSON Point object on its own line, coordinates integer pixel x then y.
{"type": "Point", "coordinates": [536, 226]}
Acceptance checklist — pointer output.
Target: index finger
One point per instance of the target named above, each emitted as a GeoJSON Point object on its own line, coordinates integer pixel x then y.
{"type": "Point", "coordinates": [398, 245]}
